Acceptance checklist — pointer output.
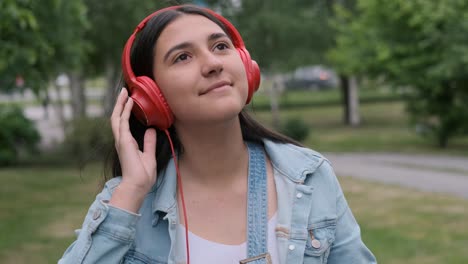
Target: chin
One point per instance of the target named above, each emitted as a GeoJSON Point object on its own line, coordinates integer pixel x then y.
{"type": "Point", "coordinates": [212, 115]}
{"type": "Point", "coordinates": [221, 116]}
{"type": "Point", "coordinates": [214, 111]}
{"type": "Point", "coordinates": [234, 102]}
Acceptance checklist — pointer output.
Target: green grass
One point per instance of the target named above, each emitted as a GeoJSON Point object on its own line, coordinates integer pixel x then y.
{"type": "Point", "coordinates": [292, 99]}
{"type": "Point", "coordinates": [401, 225]}
{"type": "Point", "coordinates": [41, 207]}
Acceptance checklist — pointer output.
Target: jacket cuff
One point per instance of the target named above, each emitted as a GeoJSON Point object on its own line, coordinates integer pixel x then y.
{"type": "Point", "coordinates": [116, 223]}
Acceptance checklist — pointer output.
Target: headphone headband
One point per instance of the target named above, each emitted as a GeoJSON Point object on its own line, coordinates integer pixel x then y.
{"type": "Point", "coordinates": [150, 106]}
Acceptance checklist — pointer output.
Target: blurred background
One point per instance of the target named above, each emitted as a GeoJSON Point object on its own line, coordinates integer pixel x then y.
{"type": "Point", "coordinates": [379, 87]}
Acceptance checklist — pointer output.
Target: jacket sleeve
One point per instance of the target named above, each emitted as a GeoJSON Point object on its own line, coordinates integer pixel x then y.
{"type": "Point", "coordinates": [348, 246]}
{"type": "Point", "coordinates": [106, 234]}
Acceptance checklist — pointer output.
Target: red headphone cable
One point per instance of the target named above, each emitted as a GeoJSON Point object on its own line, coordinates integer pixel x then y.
{"type": "Point", "coordinates": [179, 184]}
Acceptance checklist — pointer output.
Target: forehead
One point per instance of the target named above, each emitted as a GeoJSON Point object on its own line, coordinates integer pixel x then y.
{"type": "Point", "coordinates": [187, 28]}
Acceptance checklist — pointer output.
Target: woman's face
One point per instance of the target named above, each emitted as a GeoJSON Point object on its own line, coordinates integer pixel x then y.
{"type": "Point", "coordinates": [199, 71]}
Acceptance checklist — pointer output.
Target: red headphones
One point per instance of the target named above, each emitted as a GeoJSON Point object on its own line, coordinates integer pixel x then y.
{"type": "Point", "coordinates": [150, 105]}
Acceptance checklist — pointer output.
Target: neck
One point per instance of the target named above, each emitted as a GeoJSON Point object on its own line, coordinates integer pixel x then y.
{"type": "Point", "coordinates": [213, 155]}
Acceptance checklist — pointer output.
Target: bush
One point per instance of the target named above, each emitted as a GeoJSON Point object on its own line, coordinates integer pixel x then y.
{"type": "Point", "coordinates": [88, 139]}
{"type": "Point", "coordinates": [295, 128]}
{"type": "Point", "coordinates": [18, 135]}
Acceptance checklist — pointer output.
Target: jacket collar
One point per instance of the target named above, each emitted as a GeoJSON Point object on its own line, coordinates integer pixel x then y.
{"type": "Point", "coordinates": [293, 161]}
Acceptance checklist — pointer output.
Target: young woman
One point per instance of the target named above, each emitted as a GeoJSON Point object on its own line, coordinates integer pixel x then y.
{"type": "Point", "coordinates": [230, 191]}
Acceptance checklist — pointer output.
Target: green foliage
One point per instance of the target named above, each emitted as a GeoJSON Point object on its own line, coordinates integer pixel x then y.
{"type": "Point", "coordinates": [420, 45]}
{"type": "Point", "coordinates": [17, 135]}
{"type": "Point", "coordinates": [112, 22]}
{"type": "Point", "coordinates": [38, 39]}
{"type": "Point", "coordinates": [295, 128]}
{"type": "Point", "coordinates": [88, 139]}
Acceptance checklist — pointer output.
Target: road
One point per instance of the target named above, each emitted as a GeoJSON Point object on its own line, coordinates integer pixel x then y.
{"type": "Point", "coordinates": [49, 127]}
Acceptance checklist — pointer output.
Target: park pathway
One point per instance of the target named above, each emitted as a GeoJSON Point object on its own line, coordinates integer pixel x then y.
{"type": "Point", "coordinates": [431, 173]}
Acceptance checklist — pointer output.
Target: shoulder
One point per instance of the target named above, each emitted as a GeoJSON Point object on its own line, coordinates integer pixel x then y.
{"type": "Point", "coordinates": [297, 163]}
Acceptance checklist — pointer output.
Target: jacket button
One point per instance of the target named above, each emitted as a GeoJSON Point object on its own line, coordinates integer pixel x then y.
{"type": "Point", "coordinates": [316, 243]}
{"type": "Point", "coordinates": [292, 247]}
{"type": "Point", "coordinates": [96, 214]}
{"type": "Point", "coordinates": [299, 195]}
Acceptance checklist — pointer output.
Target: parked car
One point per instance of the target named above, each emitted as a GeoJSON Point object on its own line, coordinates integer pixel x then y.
{"type": "Point", "coordinates": [311, 78]}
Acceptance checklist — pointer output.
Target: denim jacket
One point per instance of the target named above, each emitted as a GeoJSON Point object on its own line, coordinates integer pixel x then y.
{"type": "Point", "coordinates": [314, 221]}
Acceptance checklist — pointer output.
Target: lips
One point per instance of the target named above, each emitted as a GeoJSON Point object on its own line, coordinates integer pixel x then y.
{"type": "Point", "coordinates": [215, 86]}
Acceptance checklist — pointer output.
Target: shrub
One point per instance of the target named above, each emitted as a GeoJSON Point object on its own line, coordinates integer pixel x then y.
{"type": "Point", "coordinates": [18, 135]}
{"type": "Point", "coordinates": [295, 128]}
{"type": "Point", "coordinates": [88, 139]}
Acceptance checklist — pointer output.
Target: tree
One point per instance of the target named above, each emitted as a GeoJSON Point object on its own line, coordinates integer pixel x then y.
{"type": "Point", "coordinates": [348, 79]}
{"type": "Point", "coordinates": [419, 45]}
{"type": "Point", "coordinates": [67, 39]}
{"type": "Point", "coordinates": [40, 40]}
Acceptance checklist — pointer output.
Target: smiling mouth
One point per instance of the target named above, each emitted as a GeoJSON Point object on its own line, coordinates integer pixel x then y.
{"type": "Point", "coordinates": [216, 86]}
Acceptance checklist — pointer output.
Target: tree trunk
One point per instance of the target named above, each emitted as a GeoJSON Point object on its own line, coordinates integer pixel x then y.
{"type": "Point", "coordinates": [350, 96]}
{"type": "Point", "coordinates": [77, 95]}
{"type": "Point", "coordinates": [45, 102]}
{"type": "Point", "coordinates": [275, 90]}
{"type": "Point", "coordinates": [59, 109]}
{"type": "Point", "coordinates": [442, 140]}
{"type": "Point", "coordinates": [344, 84]}
{"type": "Point", "coordinates": [354, 116]}
{"type": "Point", "coordinates": [112, 80]}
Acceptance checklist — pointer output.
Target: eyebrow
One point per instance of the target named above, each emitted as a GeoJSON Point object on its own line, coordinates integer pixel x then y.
{"type": "Point", "coordinates": [185, 45]}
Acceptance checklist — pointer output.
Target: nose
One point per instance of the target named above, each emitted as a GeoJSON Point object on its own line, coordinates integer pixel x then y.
{"type": "Point", "coordinates": [212, 64]}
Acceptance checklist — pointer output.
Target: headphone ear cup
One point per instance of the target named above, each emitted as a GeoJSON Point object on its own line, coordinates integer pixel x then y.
{"type": "Point", "coordinates": [255, 75]}
{"type": "Point", "coordinates": [252, 70]}
{"type": "Point", "coordinates": [150, 106]}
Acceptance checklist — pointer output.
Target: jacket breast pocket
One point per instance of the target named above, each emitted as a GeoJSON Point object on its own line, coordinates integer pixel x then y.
{"type": "Point", "coordinates": [134, 257]}
{"type": "Point", "coordinates": [319, 241]}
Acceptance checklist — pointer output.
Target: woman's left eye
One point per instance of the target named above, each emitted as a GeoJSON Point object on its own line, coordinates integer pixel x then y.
{"type": "Point", "coordinates": [221, 46]}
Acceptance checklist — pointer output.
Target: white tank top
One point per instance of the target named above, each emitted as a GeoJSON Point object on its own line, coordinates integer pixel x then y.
{"type": "Point", "coordinates": [203, 251]}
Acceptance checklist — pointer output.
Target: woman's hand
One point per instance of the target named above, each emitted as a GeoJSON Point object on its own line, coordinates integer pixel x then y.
{"type": "Point", "coordinates": [138, 167]}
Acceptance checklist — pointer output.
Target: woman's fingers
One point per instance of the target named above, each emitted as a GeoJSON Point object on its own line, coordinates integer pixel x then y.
{"type": "Point", "coordinates": [124, 125]}
{"type": "Point", "coordinates": [148, 156]}
{"type": "Point", "coordinates": [149, 147]}
{"type": "Point", "coordinates": [117, 112]}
